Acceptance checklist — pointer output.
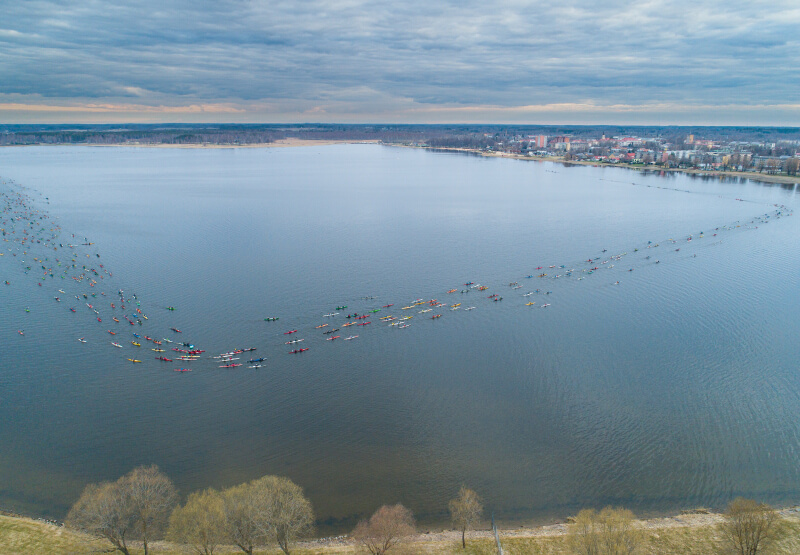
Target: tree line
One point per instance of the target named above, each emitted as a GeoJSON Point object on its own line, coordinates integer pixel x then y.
{"type": "Point", "coordinates": [142, 506]}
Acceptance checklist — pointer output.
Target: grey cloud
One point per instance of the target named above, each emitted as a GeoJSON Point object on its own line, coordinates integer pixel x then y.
{"type": "Point", "coordinates": [512, 53]}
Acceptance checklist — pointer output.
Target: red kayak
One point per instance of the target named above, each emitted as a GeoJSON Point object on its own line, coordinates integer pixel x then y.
{"type": "Point", "coordinates": [183, 369]}
{"type": "Point", "coordinates": [388, 305]}
{"type": "Point", "coordinates": [230, 365]}
{"type": "Point", "coordinates": [288, 332]}
{"type": "Point", "coordinates": [364, 323]}
{"type": "Point", "coordinates": [297, 351]}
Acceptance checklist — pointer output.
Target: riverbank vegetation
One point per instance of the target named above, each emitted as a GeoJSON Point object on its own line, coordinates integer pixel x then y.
{"type": "Point", "coordinates": [140, 514]}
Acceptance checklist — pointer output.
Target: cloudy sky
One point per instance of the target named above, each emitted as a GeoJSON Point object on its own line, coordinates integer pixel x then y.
{"type": "Point", "coordinates": [406, 61]}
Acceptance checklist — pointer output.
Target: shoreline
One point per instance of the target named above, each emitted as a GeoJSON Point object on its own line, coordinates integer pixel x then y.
{"type": "Point", "coordinates": [293, 142]}
{"type": "Point", "coordinates": [289, 142]}
{"type": "Point", "coordinates": [753, 176]}
{"type": "Point", "coordinates": [695, 527]}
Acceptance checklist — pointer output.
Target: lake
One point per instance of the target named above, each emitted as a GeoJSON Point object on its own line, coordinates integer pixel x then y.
{"type": "Point", "coordinates": [670, 386]}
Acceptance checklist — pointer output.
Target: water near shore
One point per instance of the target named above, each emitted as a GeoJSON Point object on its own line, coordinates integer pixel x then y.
{"type": "Point", "coordinates": [677, 386]}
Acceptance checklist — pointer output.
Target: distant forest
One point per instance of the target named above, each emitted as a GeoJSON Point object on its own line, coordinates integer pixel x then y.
{"type": "Point", "coordinates": [444, 136]}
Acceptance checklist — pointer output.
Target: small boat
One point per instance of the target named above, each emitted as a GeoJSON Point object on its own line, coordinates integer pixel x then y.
{"type": "Point", "coordinates": [137, 335]}
{"type": "Point", "coordinates": [341, 307]}
{"type": "Point", "coordinates": [545, 305]}
{"type": "Point", "coordinates": [136, 344]}
{"type": "Point", "coordinates": [289, 332]}
{"type": "Point", "coordinates": [82, 340]}
{"type": "Point", "coordinates": [158, 350]}
{"type": "Point", "coordinates": [230, 365]}
{"type": "Point", "coordinates": [256, 366]}
{"type": "Point", "coordinates": [176, 330]}
{"type": "Point", "coordinates": [20, 332]}
{"type": "Point", "coordinates": [295, 351]}
{"type": "Point", "coordinates": [182, 369]}
{"type": "Point", "coordinates": [72, 309]}
{"type": "Point", "coordinates": [348, 324]}
{"type": "Point", "coordinates": [167, 340]}
{"type": "Point", "coordinates": [530, 304]}
{"type": "Point", "coordinates": [332, 338]}
{"type": "Point", "coordinates": [256, 360]}
{"type": "Point", "coordinates": [435, 316]}
{"type": "Point", "coordinates": [99, 320]}
{"type": "Point", "coordinates": [385, 306]}
{"type": "Point", "coordinates": [165, 359]}
{"type": "Point", "coordinates": [249, 349]}
{"type": "Point", "coordinates": [330, 331]}
{"type": "Point", "coordinates": [112, 332]}
{"type": "Point", "coordinates": [116, 345]}
{"type": "Point", "coordinates": [455, 305]}
{"type": "Point", "coordinates": [134, 360]}
{"type": "Point", "coordinates": [293, 342]}
{"type": "Point", "coordinates": [426, 310]}
{"type": "Point", "coordinates": [270, 319]}
{"type": "Point", "coordinates": [330, 315]}
{"type": "Point", "coordinates": [322, 326]}
{"type": "Point", "coordinates": [350, 337]}
{"type": "Point", "coordinates": [115, 319]}
{"type": "Point", "coordinates": [375, 310]}
{"type": "Point", "coordinates": [170, 308]}
{"type": "Point", "coordinates": [364, 323]}
{"type": "Point", "coordinates": [470, 308]}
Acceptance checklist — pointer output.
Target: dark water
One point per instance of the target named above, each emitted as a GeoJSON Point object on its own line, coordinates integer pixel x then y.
{"type": "Point", "coordinates": [676, 387]}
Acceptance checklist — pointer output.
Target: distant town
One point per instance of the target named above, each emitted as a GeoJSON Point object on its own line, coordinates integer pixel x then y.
{"type": "Point", "coordinates": [764, 150]}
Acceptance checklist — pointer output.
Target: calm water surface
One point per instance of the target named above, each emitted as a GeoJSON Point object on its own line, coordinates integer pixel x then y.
{"type": "Point", "coordinates": [676, 387]}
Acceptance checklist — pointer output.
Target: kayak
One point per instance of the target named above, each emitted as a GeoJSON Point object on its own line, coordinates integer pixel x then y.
{"type": "Point", "coordinates": [332, 338]}
{"type": "Point", "coordinates": [82, 340]}
{"type": "Point", "coordinates": [165, 359]}
{"type": "Point", "coordinates": [289, 332]}
{"type": "Point", "coordinates": [182, 369]}
{"type": "Point", "coordinates": [294, 352]}
{"type": "Point", "coordinates": [270, 319]}
{"type": "Point", "coordinates": [116, 345]}
{"type": "Point", "coordinates": [435, 316]}
{"type": "Point", "coordinates": [351, 337]}
{"type": "Point", "coordinates": [136, 344]}
{"type": "Point", "coordinates": [293, 342]}
{"type": "Point", "coordinates": [134, 360]}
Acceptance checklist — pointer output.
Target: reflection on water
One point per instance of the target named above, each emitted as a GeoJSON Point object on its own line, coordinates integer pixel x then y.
{"type": "Point", "coordinates": [674, 387]}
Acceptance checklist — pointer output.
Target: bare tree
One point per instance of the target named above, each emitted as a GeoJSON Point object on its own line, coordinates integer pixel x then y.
{"type": "Point", "coordinates": [103, 510]}
{"type": "Point", "coordinates": [290, 514]}
{"type": "Point", "coordinates": [750, 526]}
{"type": "Point", "coordinates": [241, 510]}
{"type": "Point", "coordinates": [465, 510]}
{"type": "Point", "coordinates": [384, 529]}
{"type": "Point", "coordinates": [200, 523]}
{"type": "Point", "coordinates": [134, 507]}
{"type": "Point", "coordinates": [270, 507]}
{"type": "Point", "coordinates": [609, 532]}
{"type": "Point", "coordinates": [152, 497]}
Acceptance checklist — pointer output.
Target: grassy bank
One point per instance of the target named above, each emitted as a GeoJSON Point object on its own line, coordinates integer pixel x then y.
{"type": "Point", "coordinates": [685, 534]}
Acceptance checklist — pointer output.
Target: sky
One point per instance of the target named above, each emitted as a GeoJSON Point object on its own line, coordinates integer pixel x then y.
{"type": "Point", "coordinates": [690, 62]}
